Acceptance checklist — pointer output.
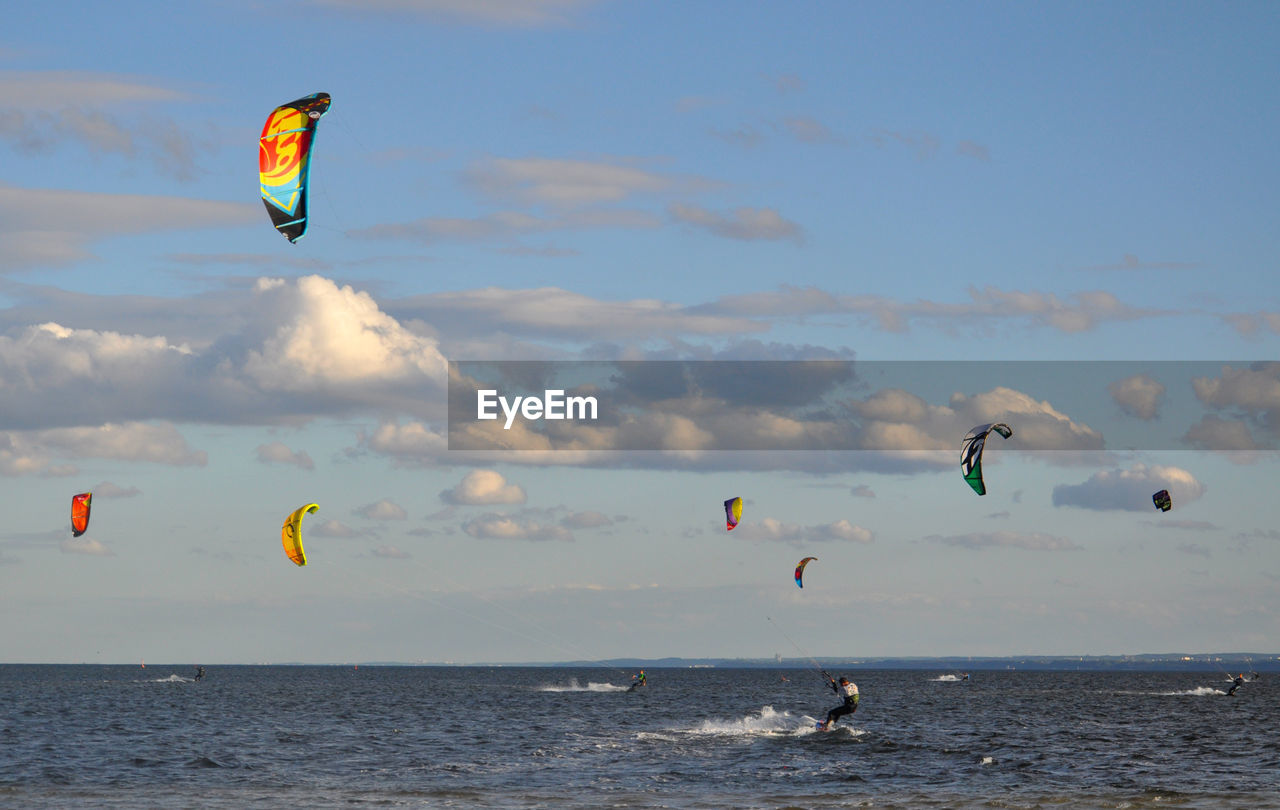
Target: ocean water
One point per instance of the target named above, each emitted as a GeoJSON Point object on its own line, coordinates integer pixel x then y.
{"type": "Point", "coordinates": [523, 737]}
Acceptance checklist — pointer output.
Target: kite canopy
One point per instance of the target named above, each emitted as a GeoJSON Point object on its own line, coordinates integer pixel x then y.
{"type": "Point", "coordinates": [732, 513]}
{"type": "Point", "coordinates": [800, 570]}
{"type": "Point", "coordinates": [1162, 500]}
{"type": "Point", "coordinates": [291, 533]}
{"type": "Point", "coordinates": [80, 507]}
{"type": "Point", "coordinates": [971, 453]}
{"type": "Point", "coordinates": [284, 162]}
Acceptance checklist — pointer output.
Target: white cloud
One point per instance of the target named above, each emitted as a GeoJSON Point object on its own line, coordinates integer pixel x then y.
{"type": "Point", "coordinates": [382, 510]}
{"type": "Point", "coordinates": [1139, 395]}
{"type": "Point", "coordinates": [1130, 489]}
{"type": "Point", "coordinates": [336, 336]}
{"type": "Point", "coordinates": [552, 312]}
{"type": "Point", "coordinates": [515, 527]}
{"type": "Point", "coordinates": [32, 452]}
{"type": "Point", "coordinates": [483, 487]}
{"type": "Point", "coordinates": [391, 553]}
{"type": "Point", "coordinates": [772, 530]}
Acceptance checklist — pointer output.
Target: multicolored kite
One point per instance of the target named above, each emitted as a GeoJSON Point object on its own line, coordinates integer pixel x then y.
{"type": "Point", "coordinates": [291, 533]}
{"type": "Point", "coordinates": [1162, 500]}
{"type": "Point", "coordinates": [80, 506]}
{"type": "Point", "coordinates": [971, 453]}
{"type": "Point", "coordinates": [732, 513]}
{"type": "Point", "coordinates": [284, 162]}
{"type": "Point", "coordinates": [800, 570]}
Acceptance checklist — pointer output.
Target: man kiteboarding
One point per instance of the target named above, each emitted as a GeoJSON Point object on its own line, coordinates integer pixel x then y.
{"type": "Point", "coordinates": [848, 693]}
{"type": "Point", "coordinates": [1239, 681]}
{"type": "Point", "coordinates": [638, 680]}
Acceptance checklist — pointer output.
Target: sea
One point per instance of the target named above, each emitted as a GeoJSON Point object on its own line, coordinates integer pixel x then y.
{"type": "Point", "coordinates": [574, 737]}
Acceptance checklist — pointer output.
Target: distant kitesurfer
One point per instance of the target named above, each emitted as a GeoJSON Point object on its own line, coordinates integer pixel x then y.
{"type": "Point", "coordinates": [1239, 681]}
{"type": "Point", "coordinates": [848, 693]}
{"type": "Point", "coordinates": [638, 680]}
{"type": "Point", "coordinates": [199, 673]}
{"type": "Point", "coordinates": [966, 677]}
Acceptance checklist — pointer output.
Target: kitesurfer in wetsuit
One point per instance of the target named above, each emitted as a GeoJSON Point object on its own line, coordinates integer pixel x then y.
{"type": "Point", "coordinates": [848, 692]}
{"type": "Point", "coordinates": [638, 680]}
{"type": "Point", "coordinates": [199, 673]}
{"type": "Point", "coordinates": [1239, 681]}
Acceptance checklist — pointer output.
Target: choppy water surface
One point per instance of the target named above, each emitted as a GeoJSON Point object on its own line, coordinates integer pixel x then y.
{"type": "Point", "coordinates": [93, 736]}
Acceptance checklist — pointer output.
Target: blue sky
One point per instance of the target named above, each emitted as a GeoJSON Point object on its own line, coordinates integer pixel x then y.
{"type": "Point", "coordinates": [605, 180]}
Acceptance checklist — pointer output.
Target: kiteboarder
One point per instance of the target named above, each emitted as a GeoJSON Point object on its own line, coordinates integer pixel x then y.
{"type": "Point", "coordinates": [199, 672]}
{"type": "Point", "coordinates": [638, 680]}
{"type": "Point", "coordinates": [848, 693]}
{"type": "Point", "coordinates": [1239, 681]}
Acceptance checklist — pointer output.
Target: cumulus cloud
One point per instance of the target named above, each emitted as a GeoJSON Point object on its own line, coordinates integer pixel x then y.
{"type": "Point", "coordinates": [483, 487]}
{"type": "Point", "coordinates": [390, 553]}
{"type": "Point", "coordinates": [1130, 489]}
{"type": "Point", "coordinates": [382, 510]}
{"type": "Point", "coordinates": [279, 453]}
{"type": "Point", "coordinates": [1139, 395]}
{"type": "Point", "coordinates": [330, 336]}
{"type": "Point", "coordinates": [1030, 541]}
{"type": "Point", "coordinates": [291, 350]}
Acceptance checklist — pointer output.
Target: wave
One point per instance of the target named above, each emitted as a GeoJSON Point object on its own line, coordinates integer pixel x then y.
{"type": "Point", "coordinates": [767, 722]}
{"type": "Point", "coordinates": [591, 686]}
{"type": "Point", "coordinates": [947, 678]}
{"type": "Point", "coordinates": [1198, 691]}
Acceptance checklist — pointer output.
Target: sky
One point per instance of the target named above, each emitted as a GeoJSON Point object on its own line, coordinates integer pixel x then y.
{"type": "Point", "coordinates": [925, 216]}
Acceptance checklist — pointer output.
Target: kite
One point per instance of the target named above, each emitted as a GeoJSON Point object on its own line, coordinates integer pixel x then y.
{"type": "Point", "coordinates": [284, 162]}
{"type": "Point", "coordinates": [732, 513]}
{"type": "Point", "coordinates": [80, 505]}
{"type": "Point", "coordinates": [800, 570]}
{"type": "Point", "coordinates": [1162, 500]}
{"type": "Point", "coordinates": [291, 533]}
{"type": "Point", "coordinates": [971, 453]}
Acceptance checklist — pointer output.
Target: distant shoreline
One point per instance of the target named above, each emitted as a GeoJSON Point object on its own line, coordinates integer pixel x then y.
{"type": "Point", "coordinates": [1172, 662]}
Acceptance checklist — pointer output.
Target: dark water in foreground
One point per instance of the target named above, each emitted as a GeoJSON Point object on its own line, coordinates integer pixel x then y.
{"type": "Point", "coordinates": [318, 737]}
